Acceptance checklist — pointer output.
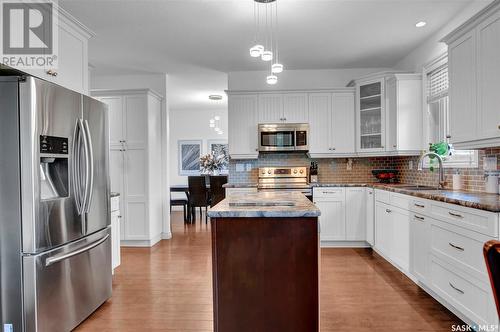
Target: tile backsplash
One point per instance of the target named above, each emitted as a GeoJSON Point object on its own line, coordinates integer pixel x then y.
{"type": "Point", "coordinates": [336, 170]}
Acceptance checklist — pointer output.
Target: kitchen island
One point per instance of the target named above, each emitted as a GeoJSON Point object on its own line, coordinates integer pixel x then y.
{"type": "Point", "coordinates": [265, 257]}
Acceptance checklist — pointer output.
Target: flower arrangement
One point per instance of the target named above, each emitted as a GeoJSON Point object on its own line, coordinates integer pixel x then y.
{"type": "Point", "coordinates": [211, 164]}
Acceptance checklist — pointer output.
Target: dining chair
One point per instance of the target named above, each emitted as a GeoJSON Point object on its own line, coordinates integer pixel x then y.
{"type": "Point", "coordinates": [491, 251]}
{"type": "Point", "coordinates": [198, 195]}
{"type": "Point", "coordinates": [179, 199]}
{"type": "Point", "coordinates": [217, 191]}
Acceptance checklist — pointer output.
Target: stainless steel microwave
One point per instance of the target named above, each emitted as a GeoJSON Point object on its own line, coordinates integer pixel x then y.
{"type": "Point", "coordinates": [283, 137]}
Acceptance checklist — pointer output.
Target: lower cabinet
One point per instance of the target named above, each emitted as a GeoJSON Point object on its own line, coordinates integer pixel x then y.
{"type": "Point", "coordinates": [392, 234]}
{"type": "Point", "coordinates": [343, 215]}
{"type": "Point", "coordinates": [439, 245]}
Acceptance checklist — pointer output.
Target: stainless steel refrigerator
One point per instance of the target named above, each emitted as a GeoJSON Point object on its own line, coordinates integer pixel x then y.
{"type": "Point", "coordinates": [55, 246]}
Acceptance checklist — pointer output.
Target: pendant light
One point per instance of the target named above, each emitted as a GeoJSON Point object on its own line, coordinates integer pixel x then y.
{"type": "Point", "coordinates": [268, 49]}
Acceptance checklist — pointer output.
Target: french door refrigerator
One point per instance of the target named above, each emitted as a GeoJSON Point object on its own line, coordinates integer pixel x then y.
{"type": "Point", "coordinates": [55, 246]}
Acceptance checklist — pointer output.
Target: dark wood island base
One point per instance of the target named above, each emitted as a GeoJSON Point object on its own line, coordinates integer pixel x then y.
{"type": "Point", "coordinates": [265, 274]}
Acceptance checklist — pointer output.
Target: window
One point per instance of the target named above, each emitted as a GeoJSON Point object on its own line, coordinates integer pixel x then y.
{"type": "Point", "coordinates": [437, 114]}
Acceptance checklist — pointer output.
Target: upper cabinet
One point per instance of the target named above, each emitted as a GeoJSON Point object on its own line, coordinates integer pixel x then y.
{"type": "Point", "coordinates": [389, 114]}
{"type": "Point", "coordinates": [283, 108]}
{"type": "Point", "coordinates": [331, 123]}
{"type": "Point", "coordinates": [474, 71]}
{"type": "Point", "coordinates": [371, 116]}
{"type": "Point", "coordinates": [72, 70]}
{"type": "Point", "coordinates": [242, 129]}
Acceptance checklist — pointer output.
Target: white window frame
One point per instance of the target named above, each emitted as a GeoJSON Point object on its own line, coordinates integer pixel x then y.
{"type": "Point", "coordinates": [468, 161]}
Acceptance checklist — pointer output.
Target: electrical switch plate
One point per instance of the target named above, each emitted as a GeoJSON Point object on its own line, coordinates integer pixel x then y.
{"type": "Point", "coordinates": [410, 164]}
{"type": "Point", "coordinates": [249, 167]}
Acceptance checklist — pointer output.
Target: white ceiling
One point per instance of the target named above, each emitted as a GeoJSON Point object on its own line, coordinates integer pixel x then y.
{"type": "Point", "coordinates": [198, 41]}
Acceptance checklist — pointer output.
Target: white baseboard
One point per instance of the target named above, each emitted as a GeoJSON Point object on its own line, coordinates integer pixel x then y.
{"type": "Point", "coordinates": [141, 243]}
{"type": "Point", "coordinates": [344, 244]}
{"type": "Point", "coordinates": [166, 236]}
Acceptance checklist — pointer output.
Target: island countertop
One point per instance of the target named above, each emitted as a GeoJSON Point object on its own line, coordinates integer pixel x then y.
{"type": "Point", "coordinates": [265, 204]}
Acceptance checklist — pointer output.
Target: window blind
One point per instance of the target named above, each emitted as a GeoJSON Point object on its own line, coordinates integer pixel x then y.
{"type": "Point", "coordinates": [437, 83]}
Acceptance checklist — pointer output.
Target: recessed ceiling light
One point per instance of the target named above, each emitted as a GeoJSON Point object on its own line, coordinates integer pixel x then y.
{"type": "Point", "coordinates": [421, 24]}
{"type": "Point", "coordinates": [215, 97]}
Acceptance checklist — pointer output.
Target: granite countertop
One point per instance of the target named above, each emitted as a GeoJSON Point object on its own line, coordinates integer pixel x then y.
{"type": "Point", "coordinates": [240, 185]}
{"type": "Point", "coordinates": [265, 204]}
{"type": "Point", "coordinates": [475, 200]}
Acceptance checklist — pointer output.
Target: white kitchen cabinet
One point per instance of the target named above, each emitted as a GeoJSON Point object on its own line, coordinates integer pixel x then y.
{"type": "Point", "coordinates": [331, 123]}
{"type": "Point", "coordinates": [462, 90]}
{"type": "Point", "coordinates": [242, 129]}
{"type": "Point", "coordinates": [370, 216]}
{"type": "Point", "coordinates": [271, 108]}
{"type": "Point", "coordinates": [474, 71]}
{"type": "Point", "coordinates": [404, 113]}
{"type": "Point", "coordinates": [320, 124]}
{"type": "Point", "coordinates": [419, 246]}
{"type": "Point", "coordinates": [283, 108]}
{"type": "Point", "coordinates": [355, 214]}
{"type": "Point", "coordinates": [392, 234]}
{"type": "Point", "coordinates": [389, 114]}
{"type": "Point", "coordinates": [72, 68]}
{"type": "Point", "coordinates": [331, 202]}
{"type": "Point", "coordinates": [135, 162]}
{"type": "Point", "coordinates": [115, 232]}
{"type": "Point", "coordinates": [370, 115]}
{"type": "Point", "coordinates": [295, 108]}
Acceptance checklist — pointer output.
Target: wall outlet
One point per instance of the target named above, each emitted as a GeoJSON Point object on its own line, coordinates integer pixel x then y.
{"type": "Point", "coordinates": [249, 167]}
{"type": "Point", "coordinates": [349, 164]}
{"type": "Point", "coordinates": [240, 167]}
{"type": "Point", "coordinates": [410, 164]}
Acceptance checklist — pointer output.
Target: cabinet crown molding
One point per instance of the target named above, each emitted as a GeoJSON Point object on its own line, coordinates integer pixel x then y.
{"type": "Point", "coordinates": [124, 92]}
{"type": "Point", "coordinates": [471, 23]}
{"type": "Point", "coordinates": [68, 18]}
{"type": "Point", "coordinates": [252, 92]}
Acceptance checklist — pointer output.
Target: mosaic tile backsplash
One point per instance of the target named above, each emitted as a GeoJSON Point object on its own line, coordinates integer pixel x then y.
{"type": "Point", "coordinates": [338, 170]}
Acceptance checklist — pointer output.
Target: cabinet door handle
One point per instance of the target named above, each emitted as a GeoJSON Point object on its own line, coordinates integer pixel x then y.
{"type": "Point", "coordinates": [457, 289]}
{"type": "Point", "coordinates": [498, 127]}
{"type": "Point", "coordinates": [54, 74]}
{"type": "Point", "coordinates": [456, 247]}
{"type": "Point", "coordinates": [455, 215]}
{"type": "Point", "coordinates": [394, 146]}
{"type": "Point", "coordinates": [419, 218]}
{"type": "Point", "coordinates": [448, 136]}
{"type": "Point", "coordinates": [122, 141]}
{"type": "Point", "coordinates": [388, 211]}
{"type": "Point", "coordinates": [419, 205]}
{"type": "Point", "coordinates": [333, 149]}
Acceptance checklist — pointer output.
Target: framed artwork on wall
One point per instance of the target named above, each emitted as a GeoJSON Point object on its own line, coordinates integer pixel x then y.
{"type": "Point", "coordinates": [218, 147]}
{"type": "Point", "coordinates": [189, 156]}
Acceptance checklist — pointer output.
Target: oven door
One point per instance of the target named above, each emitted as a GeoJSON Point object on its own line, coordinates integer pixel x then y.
{"type": "Point", "coordinates": [276, 138]}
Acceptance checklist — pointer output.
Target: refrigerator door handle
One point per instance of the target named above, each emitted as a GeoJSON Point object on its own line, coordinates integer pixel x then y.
{"type": "Point", "coordinates": [76, 169]}
{"type": "Point", "coordinates": [58, 258]}
{"type": "Point", "coordinates": [87, 169]}
{"type": "Point", "coordinates": [90, 165]}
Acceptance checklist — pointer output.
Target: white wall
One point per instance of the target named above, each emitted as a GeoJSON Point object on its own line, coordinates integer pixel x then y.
{"type": "Point", "coordinates": [157, 83]}
{"type": "Point", "coordinates": [297, 79]}
{"type": "Point", "coordinates": [433, 48]}
{"type": "Point", "coordinates": [192, 125]}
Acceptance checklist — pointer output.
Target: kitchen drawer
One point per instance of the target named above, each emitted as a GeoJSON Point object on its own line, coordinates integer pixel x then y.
{"type": "Point", "coordinates": [472, 297]}
{"type": "Point", "coordinates": [115, 203]}
{"type": "Point", "coordinates": [480, 221]}
{"type": "Point", "coordinates": [462, 248]}
{"type": "Point", "coordinates": [383, 196]}
{"type": "Point", "coordinates": [419, 206]}
{"type": "Point", "coordinates": [400, 201]}
{"type": "Point", "coordinates": [335, 193]}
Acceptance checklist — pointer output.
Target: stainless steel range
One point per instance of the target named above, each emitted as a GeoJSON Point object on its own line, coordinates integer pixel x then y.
{"type": "Point", "coordinates": [284, 179]}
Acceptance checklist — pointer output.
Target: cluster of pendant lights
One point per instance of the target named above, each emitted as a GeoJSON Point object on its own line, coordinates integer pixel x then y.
{"type": "Point", "coordinates": [265, 14]}
{"type": "Point", "coordinates": [214, 122]}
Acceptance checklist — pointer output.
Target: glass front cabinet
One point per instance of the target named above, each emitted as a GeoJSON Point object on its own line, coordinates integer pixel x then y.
{"type": "Point", "coordinates": [370, 116]}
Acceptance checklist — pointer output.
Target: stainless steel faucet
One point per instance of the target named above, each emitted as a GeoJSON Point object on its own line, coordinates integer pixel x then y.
{"type": "Point", "coordinates": [442, 180]}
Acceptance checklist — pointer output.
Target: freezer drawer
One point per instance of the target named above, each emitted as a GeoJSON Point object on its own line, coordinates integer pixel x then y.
{"type": "Point", "coordinates": [64, 286]}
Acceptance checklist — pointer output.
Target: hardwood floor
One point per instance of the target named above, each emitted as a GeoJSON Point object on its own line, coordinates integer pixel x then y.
{"type": "Point", "coordinates": [169, 288]}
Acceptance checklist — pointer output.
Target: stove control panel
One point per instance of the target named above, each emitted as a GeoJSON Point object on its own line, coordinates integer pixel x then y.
{"type": "Point", "coordinates": [280, 172]}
